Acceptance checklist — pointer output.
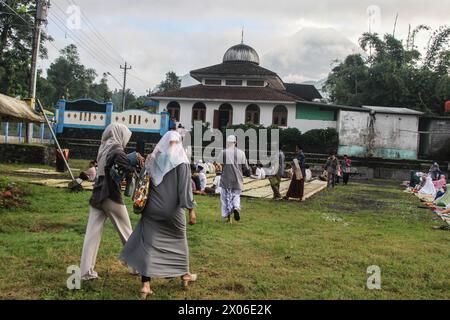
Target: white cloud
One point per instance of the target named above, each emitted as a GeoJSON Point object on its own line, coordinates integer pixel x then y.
{"type": "Point", "coordinates": [181, 35]}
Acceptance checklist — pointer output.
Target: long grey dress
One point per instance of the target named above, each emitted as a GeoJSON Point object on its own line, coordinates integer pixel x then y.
{"type": "Point", "coordinates": [158, 246]}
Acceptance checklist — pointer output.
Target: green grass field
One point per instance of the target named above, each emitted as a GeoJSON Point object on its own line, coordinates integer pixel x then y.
{"type": "Point", "coordinates": [319, 249]}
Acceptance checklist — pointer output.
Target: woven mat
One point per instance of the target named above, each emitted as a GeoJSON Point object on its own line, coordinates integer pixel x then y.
{"type": "Point", "coordinates": [42, 171]}
{"type": "Point", "coordinates": [61, 184]}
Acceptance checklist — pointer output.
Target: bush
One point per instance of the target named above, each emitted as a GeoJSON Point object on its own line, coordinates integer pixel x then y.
{"type": "Point", "coordinates": [315, 141]}
{"type": "Point", "coordinates": [320, 141]}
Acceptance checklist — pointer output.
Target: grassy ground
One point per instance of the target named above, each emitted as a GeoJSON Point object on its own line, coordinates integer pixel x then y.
{"type": "Point", "coordinates": [316, 250]}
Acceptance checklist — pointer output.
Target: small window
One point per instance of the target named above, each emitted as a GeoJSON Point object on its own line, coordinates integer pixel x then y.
{"type": "Point", "coordinates": [199, 112]}
{"type": "Point", "coordinates": [234, 82]}
{"type": "Point", "coordinates": [255, 83]}
{"type": "Point", "coordinates": [213, 82]}
{"type": "Point", "coordinates": [280, 116]}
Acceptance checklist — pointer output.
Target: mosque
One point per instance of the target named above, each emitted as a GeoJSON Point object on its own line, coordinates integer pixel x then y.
{"type": "Point", "coordinates": [240, 91]}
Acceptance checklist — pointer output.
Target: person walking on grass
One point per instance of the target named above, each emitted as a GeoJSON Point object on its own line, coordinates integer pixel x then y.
{"type": "Point", "coordinates": [331, 167]}
{"type": "Point", "coordinates": [158, 247]}
{"type": "Point", "coordinates": [106, 201]}
{"type": "Point", "coordinates": [275, 180]}
{"type": "Point", "coordinates": [232, 180]}
{"type": "Point", "coordinates": [346, 169]}
{"type": "Point", "coordinates": [297, 186]}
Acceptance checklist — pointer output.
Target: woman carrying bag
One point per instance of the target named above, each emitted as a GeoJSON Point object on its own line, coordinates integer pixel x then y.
{"type": "Point", "coordinates": [158, 246]}
{"type": "Point", "coordinates": [106, 201]}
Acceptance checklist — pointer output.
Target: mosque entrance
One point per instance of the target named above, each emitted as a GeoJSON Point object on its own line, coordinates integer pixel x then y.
{"type": "Point", "coordinates": [223, 117]}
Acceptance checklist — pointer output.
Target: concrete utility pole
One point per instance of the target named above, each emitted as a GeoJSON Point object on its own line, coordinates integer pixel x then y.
{"type": "Point", "coordinates": [40, 18]}
{"type": "Point", "coordinates": [126, 68]}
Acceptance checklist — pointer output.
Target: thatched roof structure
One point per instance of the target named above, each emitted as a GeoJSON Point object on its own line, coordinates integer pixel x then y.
{"type": "Point", "coordinates": [14, 110]}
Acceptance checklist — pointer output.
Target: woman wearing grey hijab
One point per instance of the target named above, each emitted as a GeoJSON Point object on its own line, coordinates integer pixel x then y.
{"type": "Point", "coordinates": [158, 247]}
{"type": "Point", "coordinates": [106, 201]}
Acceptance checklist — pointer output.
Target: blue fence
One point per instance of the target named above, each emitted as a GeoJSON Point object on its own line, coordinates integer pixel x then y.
{"type": "Point", "coordinates": [15, 133]}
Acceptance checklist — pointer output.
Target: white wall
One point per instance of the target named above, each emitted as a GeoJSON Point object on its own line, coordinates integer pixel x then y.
{"type": "Point", "coordinates": [353, 128]}
{"type": "Point", "coordinates": [396, 136]}
{"type": "Point", "coordinates": [307, 125]}
{"type": "Point", "coordinates": [239, 108]}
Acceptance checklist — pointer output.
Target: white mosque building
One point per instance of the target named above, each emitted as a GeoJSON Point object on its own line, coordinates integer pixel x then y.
{"type": "Point", "coordinates": [240, 91]}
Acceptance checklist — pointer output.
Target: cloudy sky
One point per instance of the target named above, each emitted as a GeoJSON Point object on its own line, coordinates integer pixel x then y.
{"type": "Point", "coordinates": [297, 39]}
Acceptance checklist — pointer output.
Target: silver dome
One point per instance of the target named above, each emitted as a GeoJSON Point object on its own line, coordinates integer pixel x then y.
{"type": "Point", "coordinates": [241, 53]}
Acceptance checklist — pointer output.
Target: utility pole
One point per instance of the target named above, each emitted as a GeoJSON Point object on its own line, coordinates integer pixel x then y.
{"type": "Point", "coordinates": [40, 18]}
{"type": "Point", "coordinates": [126, 68]}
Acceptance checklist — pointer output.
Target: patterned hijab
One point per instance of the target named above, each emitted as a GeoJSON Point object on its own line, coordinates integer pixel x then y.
{"type": "Point", "coordinates": [115, 135]}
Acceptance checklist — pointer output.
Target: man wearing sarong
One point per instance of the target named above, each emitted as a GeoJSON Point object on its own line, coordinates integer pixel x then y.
{"type": "Point", "coordinates": [232, 180]}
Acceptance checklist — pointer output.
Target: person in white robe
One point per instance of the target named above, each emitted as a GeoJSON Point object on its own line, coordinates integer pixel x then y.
{"type": "Point", "coordinates": [232, 180]}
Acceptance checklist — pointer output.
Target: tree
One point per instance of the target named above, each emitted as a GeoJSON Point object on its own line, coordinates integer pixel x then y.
{"type": "Point", "coordinates": [117, 99]}
{"type": "Point", "coordinates": [395, 74]}
{"type": "Point", "coordinates": [72, 80]}
{"type": "Point", "coordinates": [16, 34]}
{"type": "Point", "coordinates": [100, 91]}
{"type": "Point", "coordinates": [172, 82]}
{"type": "Point", "coordinates": [139, 103]}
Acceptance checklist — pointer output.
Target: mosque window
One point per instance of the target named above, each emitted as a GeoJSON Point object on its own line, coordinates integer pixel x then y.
{"type": "Point", "coordinates": [213, 82]}
{"type": "Point", "coordinates": [234, 82]}
{"type": "Point", "coordinates": [280, 116]}
{"type": "Point", "coordinates": [252, 114]}
{"type": "Point", "coordinates": [199, 112]}
{"type": "Point", "coordinates": [255, 83]}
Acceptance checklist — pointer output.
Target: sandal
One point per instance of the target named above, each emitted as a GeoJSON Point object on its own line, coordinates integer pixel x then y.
{"type": "Point", "coordinates": [189, 278]}
{"type": "Point", "coordinates": [237, 215]}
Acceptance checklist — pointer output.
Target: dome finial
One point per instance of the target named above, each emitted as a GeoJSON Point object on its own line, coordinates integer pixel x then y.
{"type": "Point", "coordinates": [242, 38]}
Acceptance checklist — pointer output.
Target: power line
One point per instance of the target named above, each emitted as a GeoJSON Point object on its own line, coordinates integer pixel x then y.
{"type": "Point", "coordinates": [80, 44]}
{"type": "Point", "coordinates": [92, 44]}
{"type": "Point", "coordinates": [29, 24]}
{"type": "Point", "coordinates": [16, 13]}
{"type": "Point", "coordinates": [93, 41]}
{"type": "Point", "coordinates": [95, 31]}
{"type": "Point", "coordinates": [92, 51]}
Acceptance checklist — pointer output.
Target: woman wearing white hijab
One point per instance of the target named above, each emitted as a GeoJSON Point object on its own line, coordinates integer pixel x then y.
{"type": "Point", "coordinates": [428, 188]}
{"type": "Point", "coordinates": [158, 246]}
{"type": "Point", "coordinates": [106, 201]}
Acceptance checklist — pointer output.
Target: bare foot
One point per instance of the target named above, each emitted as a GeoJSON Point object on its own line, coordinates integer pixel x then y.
{"type": "Point", "coordinates": [146, 291]}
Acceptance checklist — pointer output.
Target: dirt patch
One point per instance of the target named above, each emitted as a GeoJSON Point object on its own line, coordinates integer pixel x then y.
{"type": "Point", "coordinates": [379, 183]}
{"type": "Point", "coordinates": [378, 194]}
{"type": "Point", "coordinates": [11, 196]}
{"type": "Point", "coordinates": [49, 227]}
{"type": "Point", "coordinates": [353, 203]}
{"type": "Point", "coordinates": [235, 287]}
